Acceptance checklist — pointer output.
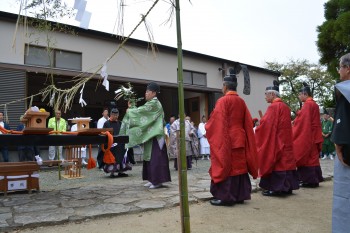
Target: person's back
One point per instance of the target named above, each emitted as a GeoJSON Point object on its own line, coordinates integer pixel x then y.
{"type": "Point", "coordinates": [285, 156]}
{"type": "Point", "coordinates": [307, 140]}
{"type": "Point", "coordinates": [274, 141]}
{"type": "Point", "coordinates": [234, 109]}
{"type": "Point", "coordinates": [275, 127]}
{"type": "Point", "coordinates": [229, 131]}
{"type": "Point", "coordinates": [307, 134]}
{"type": "Point", "coordinates": [230, 104]}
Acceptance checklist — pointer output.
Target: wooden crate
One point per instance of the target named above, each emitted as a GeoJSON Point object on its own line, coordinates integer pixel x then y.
{"type": "Point", "coordinates": [36, 119]}
{"type": "Point", "coordinates": [15, 176]}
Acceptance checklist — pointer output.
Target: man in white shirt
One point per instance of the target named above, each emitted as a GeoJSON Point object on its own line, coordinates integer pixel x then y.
{"type": "Point", "coordinates": [204, 144]}
{"type": "Point", "coordinates": [103, 119]}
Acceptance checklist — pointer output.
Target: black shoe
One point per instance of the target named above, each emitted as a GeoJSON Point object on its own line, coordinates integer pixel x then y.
{"type": "Point", "coordinates": [289, 192]}
{"type": "Point", "coordinates": [122, 175]}
{"type": "Point", "coordinates": [218, 202]}
{"type": "Point", "coordinates": [270, 193]}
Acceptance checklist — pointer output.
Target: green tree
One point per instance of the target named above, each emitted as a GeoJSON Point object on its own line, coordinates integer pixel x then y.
{"type": "Point", "coordinates": [334, 34]}
{"type": "Point", "coordinates": [294, 73]}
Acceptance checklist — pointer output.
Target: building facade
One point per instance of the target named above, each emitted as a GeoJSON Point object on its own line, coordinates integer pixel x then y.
{"type": "Point", "coordinates": [26, 68]}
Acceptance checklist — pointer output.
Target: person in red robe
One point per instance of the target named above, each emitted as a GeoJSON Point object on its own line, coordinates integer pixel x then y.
{"type": "Point", "coordinates": [307, 140]}
{"type": "Point", "coordinates": [277, 166]}
{"type": "Point", "coordinates": [229, 131]}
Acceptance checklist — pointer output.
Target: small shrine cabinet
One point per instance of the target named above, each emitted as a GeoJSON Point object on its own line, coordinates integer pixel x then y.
{"type": "Point", "coordinates": [82, 123]}
{"type": "Point", "coordinates": [36, 119]}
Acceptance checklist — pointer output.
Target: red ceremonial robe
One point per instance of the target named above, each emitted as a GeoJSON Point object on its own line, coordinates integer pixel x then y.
{"type": "Point", "coordinates": [274, 140]}
{"type": "Point", "coordinates": [307, 135]}
{"type": "Point", "coordinates": [229, 131]}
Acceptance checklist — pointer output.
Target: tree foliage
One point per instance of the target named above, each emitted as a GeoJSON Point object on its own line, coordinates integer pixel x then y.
{"type": "Point", "coordinates": [48, 9]}
{"type": "Point", "coordinates": [294, 73]}
{"type": "Point", "coordinates": [334, 34]}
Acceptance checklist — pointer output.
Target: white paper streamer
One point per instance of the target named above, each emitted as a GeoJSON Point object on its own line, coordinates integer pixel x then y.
{"type": "Point", "coordinates": [82, 15]}
{"type": "Point", "coordinates": [104, 75]}
{"type": "Point", "coordinates": [39, 160]}
{"type": "Point", "coordinates": [52, 100]}
{"type": "Point", "coordinates": [85, 21]}
{"type": "Point", "coordinates": [77, 3]}
{"type": "Point", "coordinates": [80, 6]}
{"type": "Point", "coordinates": [81, 101]}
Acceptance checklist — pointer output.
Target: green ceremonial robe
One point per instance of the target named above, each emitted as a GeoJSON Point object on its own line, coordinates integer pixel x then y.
{"type": "Point", "coordinates": [142, 124]}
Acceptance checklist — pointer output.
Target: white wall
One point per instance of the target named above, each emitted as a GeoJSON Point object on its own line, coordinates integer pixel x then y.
{"type": "Point", "coordinates": [133, 62]}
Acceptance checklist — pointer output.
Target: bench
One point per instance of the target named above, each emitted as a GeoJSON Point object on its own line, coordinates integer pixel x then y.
{"type": "Point", "coordinates": [15, 176]}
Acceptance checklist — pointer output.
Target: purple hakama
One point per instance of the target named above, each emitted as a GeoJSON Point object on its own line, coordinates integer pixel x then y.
{"type": "Point", "coordinates": [310, 175]}
{"type": "Point", "coordinates": [157, 170]}
{"type": "Point", "coordinates": [233, 189]}
{"type": "Point", "coordinates": [188, 162]}
{"type": "Point", "coordinates": [280, 181]}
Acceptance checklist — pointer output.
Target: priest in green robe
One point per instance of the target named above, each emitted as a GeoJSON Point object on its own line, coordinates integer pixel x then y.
{"type": "Point", "coordinates": [145, 127]}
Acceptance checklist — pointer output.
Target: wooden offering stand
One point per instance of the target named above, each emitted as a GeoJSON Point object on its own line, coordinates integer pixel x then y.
{"type": "Point", "coordinates": [83, 123]}
{"type": "Point", "coordinates": [73, 153]}
{"type": "Point", "coordinates": [36, 119]}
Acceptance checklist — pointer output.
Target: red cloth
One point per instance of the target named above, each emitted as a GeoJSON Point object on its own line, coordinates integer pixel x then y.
{"type": "Point", "coordinates": [108, 157]}
{"type": "Point", "coordinates": [229, 131]}
{"type": "Point", "coordinates": [274, 140]}
{"type": "Point", "coordinates": [91, 161]}
{"type": "Point", "coordinates": [307, 135]}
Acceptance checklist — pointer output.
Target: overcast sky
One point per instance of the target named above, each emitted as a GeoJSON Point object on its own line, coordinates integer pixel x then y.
{"type": "Point", "coordinates": [247, 31]}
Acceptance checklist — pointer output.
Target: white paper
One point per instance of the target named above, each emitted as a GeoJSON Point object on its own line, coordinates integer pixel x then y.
{"type": "Point", "coordinates": [80, 6]}
{"type": "Point", "coordinates": [17, 184]}
{"type": "Point", "coordinates": [104, 75]}
{"type": "Point", "coordinates": [85, 21]}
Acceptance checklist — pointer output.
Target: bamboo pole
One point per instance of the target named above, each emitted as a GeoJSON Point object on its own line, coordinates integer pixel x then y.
{"type": "Point", "coordinates": [182, 167]}
{"type": "Point", "coordinates": [57, 151]}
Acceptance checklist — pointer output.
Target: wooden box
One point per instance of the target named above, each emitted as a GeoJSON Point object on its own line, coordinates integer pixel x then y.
{"type": "Point", "coordinates": [15, 176]}
{"type": "Point", "coordinates": [83, 123]}
{"type": "Point", "coordinates": [36, 119]}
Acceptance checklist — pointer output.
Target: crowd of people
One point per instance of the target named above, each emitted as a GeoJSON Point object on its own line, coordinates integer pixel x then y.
{"type": "Point", "coordinates": [283, 153]}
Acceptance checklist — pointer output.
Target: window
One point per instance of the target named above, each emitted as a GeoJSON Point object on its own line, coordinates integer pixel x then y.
{"type": "Point", "coordinates": [67, 60]}
{"type": "Point", "coordinates": [195, 78]}
{"type": "Point", "coordinates": [39, 56]}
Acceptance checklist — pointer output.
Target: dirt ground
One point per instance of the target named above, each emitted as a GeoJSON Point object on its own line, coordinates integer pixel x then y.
{"type": "Point", "coordinates": [307, 210]}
